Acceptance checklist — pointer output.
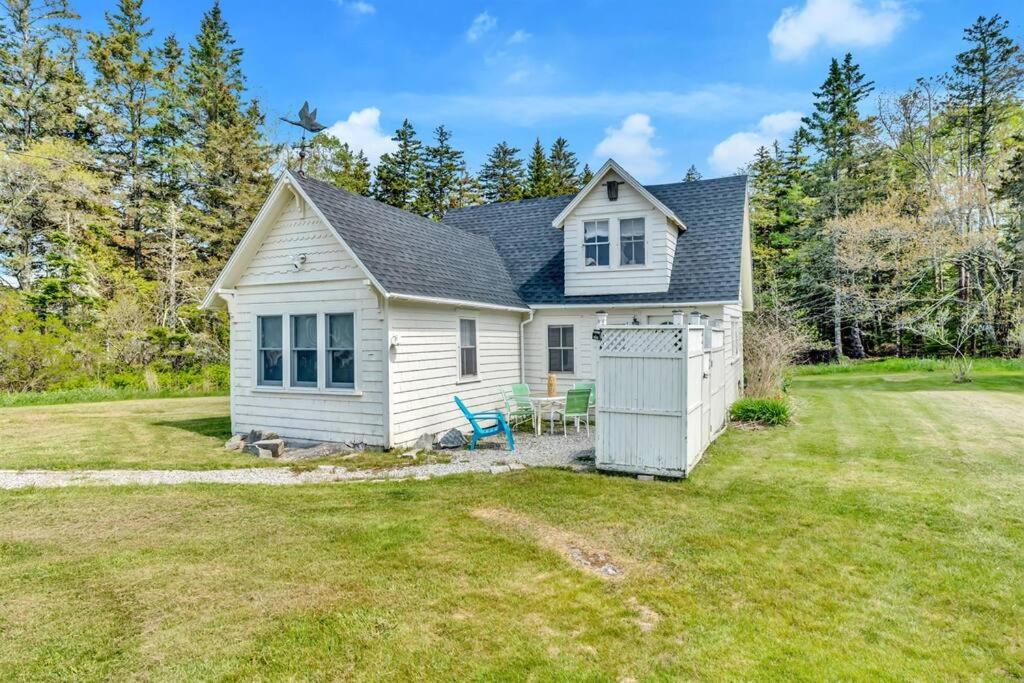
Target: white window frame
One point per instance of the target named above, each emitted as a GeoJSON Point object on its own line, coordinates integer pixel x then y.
{"type": "Point", "coordinates": [549, 348]}
{"type": "Point", "coordinates": [476, 347]}
{"type": "Point", "coordinates": [327, 349]}
{"type": "Point", "coordinates": [293, 383]}
{"type": "Point", "coordinates": [642, 242]}
{"type": "Point", "coordinates": [258, 365]}
{"type": "Point", "coordinates": [607, 242]}
{"type": "Point", "coordinates": [321, 386]}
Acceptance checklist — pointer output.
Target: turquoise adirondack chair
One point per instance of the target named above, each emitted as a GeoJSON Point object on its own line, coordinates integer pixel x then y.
{"type": "Point", "coordinates": [500, 425]}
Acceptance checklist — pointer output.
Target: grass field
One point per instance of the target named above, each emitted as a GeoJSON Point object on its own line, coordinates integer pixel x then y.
{"type": "Point", "coordinates": [881, 536]}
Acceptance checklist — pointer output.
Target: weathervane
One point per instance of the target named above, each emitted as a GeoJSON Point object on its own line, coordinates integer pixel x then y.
{"type": "Point", "coordinates": [307, 121]}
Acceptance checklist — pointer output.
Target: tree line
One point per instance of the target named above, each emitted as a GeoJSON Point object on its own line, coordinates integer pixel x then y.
{"type": "Point", "coordinates": [892, 222]}
{"type": "Point", "coordinates": [431, 179]}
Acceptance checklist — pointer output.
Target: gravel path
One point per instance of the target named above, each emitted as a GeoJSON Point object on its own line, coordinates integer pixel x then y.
{"type": "Point", "coordinates": [546, 451]}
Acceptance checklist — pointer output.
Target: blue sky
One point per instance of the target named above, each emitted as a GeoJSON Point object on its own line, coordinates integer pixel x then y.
{"type": "Point", "coordinates": [656, 85]}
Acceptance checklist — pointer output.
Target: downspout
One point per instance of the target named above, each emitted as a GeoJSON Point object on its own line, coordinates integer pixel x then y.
{"type": "Point", "coordinates": [522, 346]}
{"type": "Point", "coordinates": [387, 370]}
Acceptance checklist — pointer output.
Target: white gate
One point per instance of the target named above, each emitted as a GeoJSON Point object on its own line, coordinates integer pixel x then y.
{"type": "Point", "coordinates": [660, 397]}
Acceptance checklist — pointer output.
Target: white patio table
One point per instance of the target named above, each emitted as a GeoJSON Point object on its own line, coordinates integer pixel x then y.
{"type": "Point", "coordinates": [552, 403]}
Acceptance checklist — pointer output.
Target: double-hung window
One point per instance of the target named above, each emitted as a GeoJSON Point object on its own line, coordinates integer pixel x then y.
{"type": "Point", "coordinates": [467, 348]}
{"type": "Point", "coordinates": [304, 351]}
{"type": "Point", "coordinates": [270, 366]}
{"type": "Point", "coordinates": [341, 351]}
{"type": "Point", "coordinates": [560, 348]}
{"type": "Point", "coordinates": [595, 243]}
{"type": "Point", "coordinates": [631, 237]}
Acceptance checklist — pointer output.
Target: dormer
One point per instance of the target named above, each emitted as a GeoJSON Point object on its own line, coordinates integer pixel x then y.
{"type": "Point", "coordinates": [618, 237]}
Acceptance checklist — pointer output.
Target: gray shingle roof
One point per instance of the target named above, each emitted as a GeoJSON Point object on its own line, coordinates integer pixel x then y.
{"type": "Point", "coordinates": [409, 254]}
{"type": "Point", "coordinates": [708, 253]}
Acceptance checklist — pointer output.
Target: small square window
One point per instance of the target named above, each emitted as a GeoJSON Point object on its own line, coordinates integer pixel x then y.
{"type": "Point", "coordinates": [560, 348]}
{"type": "Point", "coordinates": [596, 246]}
{"type": "Point", "coordinates": [631, 239]}
{"type": "Point", "coordinates": [341, 351]}
{"type": "Point", "coordinates": [268, 350]}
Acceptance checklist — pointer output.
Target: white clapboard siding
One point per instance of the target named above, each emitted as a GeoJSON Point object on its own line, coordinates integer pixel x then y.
{"type": "Point", "coordinates": [328, 282]}
{"type": "Point", "coordinates": [660, 245]}
{"type": "Point", "coordinates": [583, 321]}
{"type": "Point", "coordinates": [425, 366]}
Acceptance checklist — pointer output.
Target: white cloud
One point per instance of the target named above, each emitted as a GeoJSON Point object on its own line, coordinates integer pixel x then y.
{"type": "Point", "coordinates": [738, 149]}
{"type": "Point", "coordinates": [362, 132]}
{"type": "Point", "coordinates": [358, 6]}
{"type": "Point", "coordinates": [482, 23]}
{"type": "Point", "coordinates": [630, 145]}
{"type": "Point", "coordinates": [837, 23]}
{"type": "Point", "coordinates": [520, 36]}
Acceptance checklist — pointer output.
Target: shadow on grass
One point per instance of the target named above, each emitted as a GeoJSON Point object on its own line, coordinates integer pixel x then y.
{"type": "Point", "coordinates": [219, 427]}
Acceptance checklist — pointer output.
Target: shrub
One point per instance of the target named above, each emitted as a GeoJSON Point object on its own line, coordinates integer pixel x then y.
{"type": "Point", "coordinates": [772, 337]}
{"type": "Point", "coordinates": [766, 411]}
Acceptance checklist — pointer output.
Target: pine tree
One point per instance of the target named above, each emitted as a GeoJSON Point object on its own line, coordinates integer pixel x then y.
{"type": "Point", "coordinates": [41, 88]}
{"type": "Point", "coordinates": [442, 167]}
{"type": "Point", "coordinates": [125, 90]}
{"type": "Point", "coordinates": [233, 159]}
{"type": "Point", "coordinates": [562, 167]}
{"type": "Point", "coordinates": [501, 178]}
{"type": "Point", "coordinates": [986, 80]}
{"type": "Point", "coordinates": [586, 176]}
{"type": "Point", "coordinates": [170, 151]}
{"type": "Point", "coordinates": [692, 174]}
{"type": "Point", "coordinates": [538, 177]}
{"type": "Point", "coordinates": [468, 192]}
{"type": "Point", "coordinates": [333, 161]}
{"type": "Point", "coordinates": [399, 176]}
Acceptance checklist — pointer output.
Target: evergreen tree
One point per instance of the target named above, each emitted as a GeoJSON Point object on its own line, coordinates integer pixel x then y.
{"type": "Point", "coordinates": [125, 90]}
{"type": "Point", "coordinates": [443, 166]}
{"type": "Point", "coordinates": [399, 176]}
{"type": "Point", "coordinates": [586, 176]}
{"type": "Point", "coordinates": [170, 151]}
{"type": "Point", "coordinates": [538, 176]}
{"type": "Point", "coordinates": [333, 161]}
{"type": "Point", "coordinates": [501, 178]}
{"type": "Point", "coordinates": [692, 174]}
{"type": "Point", "coordinates": [468, 192]}
{"type": "Point", "coordinates": [986, 79]}
{"type": "Point", "coordinates": [41, 88]}
{"type": "Point", "coordinates": [562, 168]}
{"type": "Point", "coordinates": [233, 160]}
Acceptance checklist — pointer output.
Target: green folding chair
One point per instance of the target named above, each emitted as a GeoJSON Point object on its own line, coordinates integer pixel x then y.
{"type": "Point", "coordinates": [593, 392]}
{"type": "Point", "coordinates": [517, 406]}
{"type": "Point", "coordinates": [577, 405]}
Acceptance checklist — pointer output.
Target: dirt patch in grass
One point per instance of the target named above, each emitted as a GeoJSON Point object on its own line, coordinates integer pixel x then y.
{"type": "Point", "coordinates": [579, 551]}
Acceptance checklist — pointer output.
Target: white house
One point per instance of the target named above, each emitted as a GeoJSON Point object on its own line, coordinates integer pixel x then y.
{"type": "Point", "coordinates": [355, 321]}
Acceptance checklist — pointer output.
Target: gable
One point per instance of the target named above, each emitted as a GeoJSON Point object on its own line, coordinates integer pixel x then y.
{"type": "Point", "coordinates": [618, 174]}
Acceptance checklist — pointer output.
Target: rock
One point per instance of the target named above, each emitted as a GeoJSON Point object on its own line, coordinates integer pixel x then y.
{"type": "Point", "coordinates": [235, 443]}
{"type": "Point", "coordinates": [645, 477]}
{"type": "Point", "coordinates": [275, 446]}
{"type": "Point", "coordinates": [409, 454]}
{"type": "Point", "coordinates": [253, 436]}
{"type": "Point", "coordinates": [357, 446]}
{"type": "Point", "coordinates": [425, 442]}
{"type": "Point", "coordinates": [516, 466]}
{"type": "Point", "coordinates": [500, 469]}
{"type": "Point", "coordinates": [253, 449]}
{"type": "Point", "coordinates": [453, 438]}
{"type": "Point", "coordinates": [270, 436]}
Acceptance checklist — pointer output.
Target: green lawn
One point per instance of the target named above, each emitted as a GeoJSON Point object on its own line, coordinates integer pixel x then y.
{"type": "Point", "coordinates": [879, 537]}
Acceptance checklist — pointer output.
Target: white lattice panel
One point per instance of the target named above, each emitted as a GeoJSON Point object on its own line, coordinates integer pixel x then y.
{"type": "Point", "coordinates": [646, 341]}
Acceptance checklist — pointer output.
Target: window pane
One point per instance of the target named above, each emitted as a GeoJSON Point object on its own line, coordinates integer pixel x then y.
{"type": "Point", "coordinates": [554, 335]}
{"type": "Point", "coordinates": [271, 368]}
{"type": "Point", "coordinates": [567, 336]}
{"type": "Point", "coordinates": [602, 254]}
{"type": "Point", "coordinates": [343, 369]}
{"type": "Point", "coordinates": [554, 360]}
{"type": "Point", "coordinates": [303, 331]}
{"type": "Point", "coordinates": [467, 333]}
{"type": "Point", "coordinates": [304, 368]}
{"type": "Point", "coordinates": [340, 333]}
{"type": "Point", "coordinates": [270, 332]}
{"type": "Point", "coordinates": [468, 361]}
{"type": "Point", "coordinates": [632, 227]}
{"type": "Point", "coordinates": [567, 360]}
{"type": "Point", "coordinates": [595, 231]}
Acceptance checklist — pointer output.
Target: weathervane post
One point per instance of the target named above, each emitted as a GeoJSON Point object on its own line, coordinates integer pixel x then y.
{"type": "Point", "coordinates": [307, 122]}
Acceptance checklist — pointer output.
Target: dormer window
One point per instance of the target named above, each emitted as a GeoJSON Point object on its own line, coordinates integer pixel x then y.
{"type": "Point", "coordinates": [631, 237]}
{"type": "Point", "coordinates": [596, 247]}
